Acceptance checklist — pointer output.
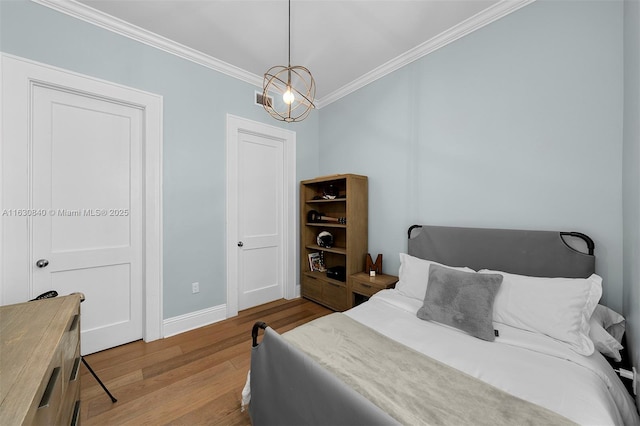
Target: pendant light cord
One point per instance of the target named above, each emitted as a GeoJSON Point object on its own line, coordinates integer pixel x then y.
{"type": "Point", "coordinates": [289, 71]}
{"type": "Point", "coordinates": [289, 33]}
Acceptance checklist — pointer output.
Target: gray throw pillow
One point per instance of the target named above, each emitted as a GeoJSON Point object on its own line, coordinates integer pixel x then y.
{"type": "Point", "coordinates": [463, 300]}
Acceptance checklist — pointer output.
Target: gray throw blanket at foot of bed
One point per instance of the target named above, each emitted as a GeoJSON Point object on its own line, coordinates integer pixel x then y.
{"type": "Point", "coordinates": [412, 388]}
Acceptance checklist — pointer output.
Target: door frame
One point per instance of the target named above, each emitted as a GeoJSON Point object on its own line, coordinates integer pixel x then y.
{"type": "Point", "coordinates": [235, 126]}
{"type": "Point", "coordinates": [18, 76]}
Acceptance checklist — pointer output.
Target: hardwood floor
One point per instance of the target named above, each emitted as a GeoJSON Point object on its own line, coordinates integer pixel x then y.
{"type": "Point", "coordinates": [192, 378]}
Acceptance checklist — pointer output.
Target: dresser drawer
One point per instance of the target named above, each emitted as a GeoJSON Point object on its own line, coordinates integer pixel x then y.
{"type": "Point", "coordinates": [72, 335]}
{"type": "Point", "coordinates": [72, 392]}
{"type": "Point", "coordinates": [48, 406]}
{"type": "Point", "coordinates": [69, 346]}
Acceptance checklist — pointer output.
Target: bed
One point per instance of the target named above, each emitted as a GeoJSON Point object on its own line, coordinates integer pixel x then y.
{"type": "Point", "coordinates": [485, 326]}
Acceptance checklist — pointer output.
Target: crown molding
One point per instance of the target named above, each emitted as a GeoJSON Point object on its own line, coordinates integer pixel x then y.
{"type": "Point", "coordinates": [467, 26]}
{"type": "Point", "coordinates": [118, 26]}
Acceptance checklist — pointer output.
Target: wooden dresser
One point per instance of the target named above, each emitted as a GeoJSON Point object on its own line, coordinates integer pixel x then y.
{"type": "Point", "coordinates": [40, 362]}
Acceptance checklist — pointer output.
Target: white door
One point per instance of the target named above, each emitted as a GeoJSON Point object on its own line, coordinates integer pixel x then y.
{"type": "Point", "coordinates": [86, 176]}
{"type": "Point", "coordinates": [260, 192]}
{"type": "Point", "coordinates": [80, 195]}
{"type": "Point", "coordinates": [261, 213]}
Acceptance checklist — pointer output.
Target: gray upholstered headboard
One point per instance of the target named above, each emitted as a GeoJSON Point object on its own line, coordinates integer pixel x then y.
{"type": "Point", "coordinates": [533, 253]}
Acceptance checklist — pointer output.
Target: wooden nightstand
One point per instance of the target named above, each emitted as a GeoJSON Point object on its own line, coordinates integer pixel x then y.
{"type": "Point", "coordinates": [361, 286]}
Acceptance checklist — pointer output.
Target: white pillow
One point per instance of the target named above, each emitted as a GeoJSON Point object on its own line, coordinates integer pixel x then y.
{"type": "Point", "coordinates": [604, 342]}
{"type": "Point", "coordinates": [610, 320]}
{"type": "Point", "coordinates": [413, 276]}
{"type": "Point", "coordinates": [557, 307]}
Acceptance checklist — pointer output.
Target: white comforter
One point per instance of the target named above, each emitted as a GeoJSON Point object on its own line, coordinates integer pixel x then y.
{"type": "Point", "coordinates": [528, 365]}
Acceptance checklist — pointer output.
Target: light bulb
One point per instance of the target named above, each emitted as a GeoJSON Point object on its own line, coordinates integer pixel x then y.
{"type": "Point", "coordinates": [288, 97]}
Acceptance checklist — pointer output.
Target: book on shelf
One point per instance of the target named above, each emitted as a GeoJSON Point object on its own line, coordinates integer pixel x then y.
{"type": "Point", "coordinates": [316, 262]}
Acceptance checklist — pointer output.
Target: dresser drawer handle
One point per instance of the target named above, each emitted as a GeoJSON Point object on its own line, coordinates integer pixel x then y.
{"type": "Point", "coordinates": [74, 370]}
{"type": "Point", "coordinates": [74, 322]}
{"type": "Point", "coordinates": [366, 285]}
{"type": "Point", "coordinates": [76, 414]}
{"type": "Point", "coordinates": [50, 387]}
{"type": "Point", "coordinates": [334, 284]}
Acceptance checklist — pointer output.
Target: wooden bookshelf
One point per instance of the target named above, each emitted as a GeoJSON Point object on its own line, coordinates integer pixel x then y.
{"type": "Point", "coordinates": [350, 239]}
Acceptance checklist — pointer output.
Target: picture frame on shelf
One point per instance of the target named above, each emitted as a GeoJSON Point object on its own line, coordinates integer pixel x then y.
{"type": "Point", "coordinates": [316, 262]}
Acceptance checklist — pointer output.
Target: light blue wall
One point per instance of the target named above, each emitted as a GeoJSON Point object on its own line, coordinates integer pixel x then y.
{"type": "Point", "coordinates": [518, 125]}
{"type": "Point", "coordinates": [196, 101]}
{"type": "Point", "coordinates": [631, 173]}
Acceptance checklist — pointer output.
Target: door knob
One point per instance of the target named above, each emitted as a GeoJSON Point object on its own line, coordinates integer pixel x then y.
{"type": "Point", "coordinates": [240, 243]}
{"type": "Point", "coordinates": [42, 263]}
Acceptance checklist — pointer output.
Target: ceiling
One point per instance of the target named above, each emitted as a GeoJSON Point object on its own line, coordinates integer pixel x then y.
{"type": "Point", "coordinates": [345, 44]}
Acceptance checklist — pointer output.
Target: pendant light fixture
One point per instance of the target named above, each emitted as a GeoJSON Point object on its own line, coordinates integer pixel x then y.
{"type": "Point", "coordinates": [294, 87]}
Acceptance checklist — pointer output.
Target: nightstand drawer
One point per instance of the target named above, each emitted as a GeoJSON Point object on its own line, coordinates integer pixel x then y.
{"type": "Point", "coordinates": [363, 288]}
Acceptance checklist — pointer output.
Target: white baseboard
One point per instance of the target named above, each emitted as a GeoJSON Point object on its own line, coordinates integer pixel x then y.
{"type": "Point", "coordinates": [193, 320]}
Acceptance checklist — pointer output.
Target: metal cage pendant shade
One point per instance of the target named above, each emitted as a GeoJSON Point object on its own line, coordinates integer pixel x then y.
{"type": "Point", "coordinates": [294, 87]}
